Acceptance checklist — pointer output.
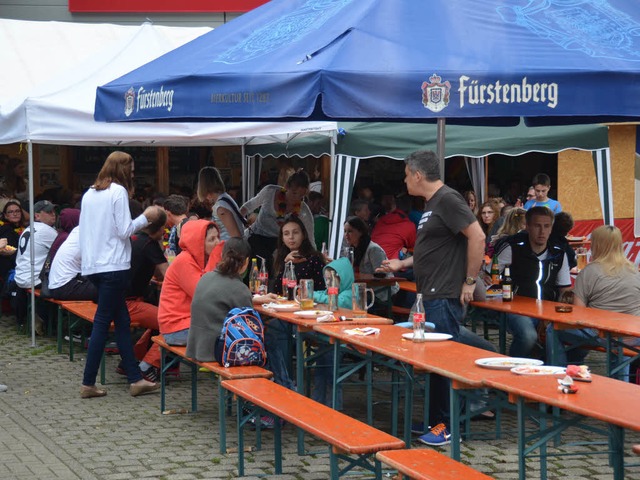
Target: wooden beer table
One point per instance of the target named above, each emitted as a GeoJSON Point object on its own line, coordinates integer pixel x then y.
{"type": "Point", "coordinates": [449, 359]}
{"type": "Point", "coordinates": [613, 326]}
{"type": "Point", "coordinates": [604, 399]}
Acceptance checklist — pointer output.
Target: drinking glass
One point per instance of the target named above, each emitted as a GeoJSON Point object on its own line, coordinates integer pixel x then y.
{"type": "Point", "coordinates": [303, 293]}
{"type": "Point", "coordinates": [359, 304]}
{"type": "Point", "coordinates": [581, 257]}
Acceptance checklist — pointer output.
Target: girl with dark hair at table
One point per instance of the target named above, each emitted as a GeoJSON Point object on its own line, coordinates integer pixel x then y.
{"type": "Point", "coordinates": [293, 245]}
{"type": "Point", "coordinates": [275, 203]}
{"type": "Point", "coordinates": [367, 258]}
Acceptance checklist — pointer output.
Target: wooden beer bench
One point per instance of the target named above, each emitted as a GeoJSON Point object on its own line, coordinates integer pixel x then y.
{"type": "Point", "coordinates": [426, 464]}
{"type": "Point", "coordinates": [347, 436]}
{"type": "Point", "coordinates": [179, 355]}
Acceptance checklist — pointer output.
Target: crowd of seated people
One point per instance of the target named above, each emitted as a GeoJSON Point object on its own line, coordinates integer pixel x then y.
{"type": "Point", "coordinates": [204, 235]}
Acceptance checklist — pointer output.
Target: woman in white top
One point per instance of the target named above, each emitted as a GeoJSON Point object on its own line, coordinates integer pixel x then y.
{"type": "Point", "coordinates": [225, 211]}
{"type": "Point", "coordinates": [105, 247]}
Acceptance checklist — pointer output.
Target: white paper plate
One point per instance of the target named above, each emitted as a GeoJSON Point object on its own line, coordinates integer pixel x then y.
{"type": "Point", "coordinates": [538, 370]}
{"type": "Point", "coordinates": [493, 294]}
{"type": "Point", "coordinates": [285, 307]}
{"type": "Point", "coordinates": [506, 363]}
{"type": "Point", "coordinates": [312, 313]}
{"type": "Point", "coordinates": [429, 336]}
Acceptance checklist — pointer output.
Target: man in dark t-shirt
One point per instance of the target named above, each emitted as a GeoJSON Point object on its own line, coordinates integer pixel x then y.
{"type": "Point", "coordinates": [147, 261]}
{"type": "Point", "coordinates": [446, 259]}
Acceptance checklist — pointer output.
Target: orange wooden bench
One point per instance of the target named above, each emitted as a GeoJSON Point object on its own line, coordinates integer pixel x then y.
{"type": "Point", "coordinates": [424, 464]}
{"type": "Point", "coordinates": [228, 373]}
{"type": "Point", "coordinates": [347, 436]}
{"type": "Point", "coordinates": [58, 306]}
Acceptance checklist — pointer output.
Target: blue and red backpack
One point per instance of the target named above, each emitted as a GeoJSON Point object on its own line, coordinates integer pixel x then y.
{"type": "Point", "coordinates": [241, 342]}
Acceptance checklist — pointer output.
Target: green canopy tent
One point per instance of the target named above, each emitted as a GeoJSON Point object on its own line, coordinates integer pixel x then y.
{"type": "Point", "coordinates": [397, 140]}
{"type": "Point", "coordinates": [361, 140]}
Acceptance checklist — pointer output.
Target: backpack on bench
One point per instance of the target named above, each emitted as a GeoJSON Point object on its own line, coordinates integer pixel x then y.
{"type": "Point", "coordinates": [241, 342]}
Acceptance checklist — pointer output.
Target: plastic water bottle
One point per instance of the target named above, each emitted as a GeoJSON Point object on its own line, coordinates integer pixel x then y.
{"type": "Point", "coordinates": [417, 317]}
{"type": "Point", "coordinates": [333, 285]}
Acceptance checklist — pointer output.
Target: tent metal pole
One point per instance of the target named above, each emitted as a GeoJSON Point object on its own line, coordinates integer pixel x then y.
{"type": "Point", "coordinates": [440, 139]}
{"type": "Point", "coordinates": [245, 173]}
{"type": "Point", "coordinates": [333, 139]}
{"type": "Point", "coordinates": [32, 244]}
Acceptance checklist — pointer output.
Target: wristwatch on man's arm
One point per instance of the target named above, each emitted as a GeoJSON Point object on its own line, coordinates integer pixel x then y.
{"type": "Point", "coordinates": [470, 281]}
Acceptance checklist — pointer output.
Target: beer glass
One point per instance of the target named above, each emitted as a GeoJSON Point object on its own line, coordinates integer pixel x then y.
{"type": "Point", "coordinates": [581, 257]}
{"type": "Point", "coordinates": [359, 304]}
{"type": "Point", "coordinates": [303, 293]}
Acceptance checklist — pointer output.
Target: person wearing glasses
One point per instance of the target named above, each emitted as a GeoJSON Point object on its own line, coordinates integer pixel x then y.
{"type": "Point", "coordinates": [13, 223]}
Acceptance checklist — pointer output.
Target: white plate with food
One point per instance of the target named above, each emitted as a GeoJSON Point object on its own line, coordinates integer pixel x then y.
{"type": "Point", "coordinates": [538, 370]}
{"type": "Point", "coordinates": [283, 307]}
{"type": "Point", "coordinates": [312, 313]}
{"type": "Point", "coordinates": [506, 363]}
{"type": "Point", "coordinates": [494, 293]}
{"type": "Point", "coordinates": [429, 336]}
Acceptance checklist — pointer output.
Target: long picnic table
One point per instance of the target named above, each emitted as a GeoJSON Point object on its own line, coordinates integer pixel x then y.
{"type": "Point", "coordinates": [604, 399]}
{"type": "Point", "coordinates": [614, 327]}
{"type": "Point", "coordinates": [304, 327]}
{"type": "Point", "coordinates": [408, 358]}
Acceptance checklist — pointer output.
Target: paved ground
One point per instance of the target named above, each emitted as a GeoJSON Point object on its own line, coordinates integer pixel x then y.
{"type": "Point", "coordinates": [48, 432]}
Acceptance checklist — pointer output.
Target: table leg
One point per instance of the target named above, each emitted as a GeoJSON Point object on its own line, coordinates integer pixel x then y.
{"type": "Point", "coordinates": [454, 406]}
{"type": "Point", "coordinates": [369, 380]}
{"type": "Point", "coordinates": [300, 382]}
{"type": "Point", "coordinates": [334, 390]}
{"type": "Point", "coordinates": [408, 403]}
{"type": "Point", "coordinates": [616, 443]}
{"type": "Point", "coordinates": [222, 416]}
{"type": "Point", "coordinates": [522, 473]}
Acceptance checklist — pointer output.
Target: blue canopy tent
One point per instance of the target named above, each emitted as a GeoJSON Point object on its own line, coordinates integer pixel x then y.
{"type": "Point", "coordinates": [479, 62]}
{"type": "Point", "coordinates": [469, 61]}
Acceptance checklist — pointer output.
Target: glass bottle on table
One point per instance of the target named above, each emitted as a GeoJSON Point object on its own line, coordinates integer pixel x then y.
{"type": "Point", "coordinates": [254, 282]}
{"type": "Point", "coordinates": [507, 286]}
{"type": "Point", "coordinates": [289, 281]}
{"type": "Point", "coordinates": [417, 317]}
{"type": "Point", "coordinates": [495, 272]}
{"type": "Point", "coordinates": [333, 285]}
{"type": "Point", "coordinates": [263, 278]}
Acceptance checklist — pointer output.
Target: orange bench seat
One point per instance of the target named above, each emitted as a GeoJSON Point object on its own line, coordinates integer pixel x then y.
{"type": "Point", "coordinates": [426, 464]}
{"type": "Point", "coordinates": [346, 435]}
{"type": "Point", "coordinates": [179, 354]}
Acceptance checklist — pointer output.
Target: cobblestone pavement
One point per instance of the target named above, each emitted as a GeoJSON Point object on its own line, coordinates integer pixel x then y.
{"type": "Point", "coordinates": [48, 432]}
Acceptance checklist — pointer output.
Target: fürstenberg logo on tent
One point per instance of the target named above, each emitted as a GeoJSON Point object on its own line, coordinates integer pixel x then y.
{"type": "Point", "coordinates": [143, 100]}
{"type": "Point", "coordinates": [435, 93]}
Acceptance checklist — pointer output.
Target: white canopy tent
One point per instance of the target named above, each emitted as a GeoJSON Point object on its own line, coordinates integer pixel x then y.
{"type": "Point", "coordinates": [52, 70]}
